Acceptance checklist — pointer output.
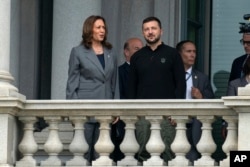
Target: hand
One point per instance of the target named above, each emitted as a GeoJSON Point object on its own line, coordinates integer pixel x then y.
{"type": "Point", "coordinates": [172, 122]}
{"type": "Point", "coordinates": [196, 94]}
{"type": "Point", "coordinates": [116, 119]}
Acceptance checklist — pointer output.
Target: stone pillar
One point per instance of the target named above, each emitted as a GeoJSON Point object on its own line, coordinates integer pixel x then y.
{"type": "Point", "coordinates": [79, 145]}
{"type": "Point", "coordinates": [8, 138]}
{"type": "Point", "coordinates": [53, 145]}
{"type": "Point", "coordinates": [241, 104]}
{"type": "Point", "coordinates": [206, 145]}
{"type": "Point", "coordinates": [155, 145]}
{"type": "Point", "coordinates": [28, 146]}
{"type": "Point", "coordinates": [231, 141]}
{"type": "Point", "coordinates": [180, 145]}
{"type": "Point", "coordinates": [129, 145]}
{"type": "Point", "coordinates": [6, 89]}
{"type": "Point", "coordinates": [104, 145]}
{"type": "Point", "coordinates": [68, 18]}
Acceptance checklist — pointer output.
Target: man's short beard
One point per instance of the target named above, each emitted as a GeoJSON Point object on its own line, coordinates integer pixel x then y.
{"type": "Point", "coordinates": [154, 41]}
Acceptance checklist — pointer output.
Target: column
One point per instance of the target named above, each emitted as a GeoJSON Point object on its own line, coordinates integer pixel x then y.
{"type": "Point", "coordinates": [79, 145]}
{"type": "Point", "coordinates": [6, 88]}
{"type": "Point", "coordinates": [180, 145]}
{"type": "Point", "coordinates": [231, 141]}
{"type": "Point", "coordinates": [206, 145]}
{"type": "Point", "coordinates": [104, 145]}
{"type": "Point", "coordinates": [155, 145]}
{"type": "Point", "coordinates": [8, 138]}
{"type": "Point", "coordinates": [129, 145]}
{"type": "Point", "coordinates": [28, 146]}
{"type": "Point", "coordinates": [53, 145]}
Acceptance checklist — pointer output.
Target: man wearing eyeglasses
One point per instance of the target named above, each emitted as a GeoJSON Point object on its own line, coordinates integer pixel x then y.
{"type": "Point", "coordinates": [238, 63]}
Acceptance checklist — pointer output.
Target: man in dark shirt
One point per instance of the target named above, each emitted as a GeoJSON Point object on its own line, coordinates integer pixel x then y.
{"type": "Point", "coordinates": [156, 70]}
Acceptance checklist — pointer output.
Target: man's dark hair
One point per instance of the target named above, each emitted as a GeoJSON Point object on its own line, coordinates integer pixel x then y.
{"type": "Point", "coordinates": [152, 18]}
{"type": "Point", "coordinates": [180, 44]}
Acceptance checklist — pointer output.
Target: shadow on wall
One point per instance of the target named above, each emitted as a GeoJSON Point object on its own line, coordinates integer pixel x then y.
{"type": "Point", "coordinates": [221, 82]}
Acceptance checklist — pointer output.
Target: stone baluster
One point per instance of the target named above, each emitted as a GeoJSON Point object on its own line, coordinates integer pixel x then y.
{"type": "Point", "coordinates": [206, 146]}
{"type": "Point", "coordinates": [78, 146]}
{"type": "Point", "coordinates": [129, 145]}
{"type": "Point", "coordinates": [53, 146]}
{"type": "Point", "coordinates": [28, 145]}
{"type": "Point", "coordinates": [231, 141]}
{"type": "Point", "coordinates": [104, 145]}
{"type": "Point", "coordinates": [155, 145]}
{"type": "Point", "coordinates": [180, 145]}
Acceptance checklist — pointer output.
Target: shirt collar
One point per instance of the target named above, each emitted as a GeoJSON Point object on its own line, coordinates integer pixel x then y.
{"type": "Point", "coordinates": [189, 71]}
{"type": "Point", "coordinates": [157, 46]}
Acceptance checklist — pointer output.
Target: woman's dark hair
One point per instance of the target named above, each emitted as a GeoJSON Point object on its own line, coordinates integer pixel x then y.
{"type": "Point", "coordinates": [246, 67]}
{"type": "Point", "coordinates": [87, 32]}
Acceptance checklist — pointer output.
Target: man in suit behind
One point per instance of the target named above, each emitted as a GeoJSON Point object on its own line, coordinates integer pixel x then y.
{"type": "Point", "coordinates": [198, 84]}
{"type": "Point", "coordinates": [198, 87]}
{"type": "Point", "coordinates": [130, 47]}
{"type": "Point", "coordinates": [238, 63]}
{"type": "Point", "coordinates": [117, 129]}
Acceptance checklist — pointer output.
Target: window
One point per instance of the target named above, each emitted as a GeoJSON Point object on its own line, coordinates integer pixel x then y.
{"type": "Point", "coordinates": [194, 17]}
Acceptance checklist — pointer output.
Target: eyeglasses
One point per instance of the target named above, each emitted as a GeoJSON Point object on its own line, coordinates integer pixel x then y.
{"type": "Point", "coordinates": [245, 42]}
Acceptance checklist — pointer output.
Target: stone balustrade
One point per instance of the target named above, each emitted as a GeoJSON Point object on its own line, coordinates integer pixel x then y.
{"type": "Point", "coordinates": [19, 116]}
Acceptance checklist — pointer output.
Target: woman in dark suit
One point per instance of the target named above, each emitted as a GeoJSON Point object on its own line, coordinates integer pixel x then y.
{"type": "Point", "coordinates": [233, 85]}
{"type": "Point", "coordinates": [92, 72]}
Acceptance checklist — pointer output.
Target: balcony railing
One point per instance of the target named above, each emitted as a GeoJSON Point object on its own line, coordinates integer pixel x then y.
{"type": "Point", "coordinates": [21, 147]}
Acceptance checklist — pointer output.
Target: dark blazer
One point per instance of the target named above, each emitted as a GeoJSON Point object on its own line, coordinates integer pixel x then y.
{"type": "Point", "coordinates": [237, 66]}
{"type": "Point", "coordinates": [86, 77]}
{"type": "Point", "coordinates": [123, 80]}
{"type": "Point", "coordinates": [233, 86]}
{"type": "Point", "coordinates": [202, 82]}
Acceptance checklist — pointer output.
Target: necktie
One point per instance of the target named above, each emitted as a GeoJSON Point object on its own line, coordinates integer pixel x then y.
{"type": "Point", "coordinates": [188, 75]}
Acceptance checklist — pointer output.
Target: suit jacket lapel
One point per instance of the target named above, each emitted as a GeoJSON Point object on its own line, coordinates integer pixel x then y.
{"type": "Point", "coordinates": [195, 78]}
{"type": "Point", "coordinates": [107, 59]}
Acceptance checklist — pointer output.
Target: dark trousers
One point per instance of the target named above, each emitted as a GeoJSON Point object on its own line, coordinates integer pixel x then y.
{"type": "Point", "coordinates": [117, 135]}
{"type": "Point", "coordinates": [91, 133]}
{"type": "Point", "coordinates": [193, 136]}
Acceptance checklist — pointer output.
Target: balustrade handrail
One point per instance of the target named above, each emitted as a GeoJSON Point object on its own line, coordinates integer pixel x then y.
{"type": "Point", "coordinates": [214, 107]}
{"type": "Point", "coordinates": [181, 110]}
